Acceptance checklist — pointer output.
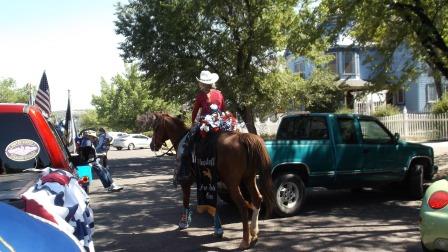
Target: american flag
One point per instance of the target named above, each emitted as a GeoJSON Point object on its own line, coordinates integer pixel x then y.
{"type": "Point", "coordinates": [43, 96]}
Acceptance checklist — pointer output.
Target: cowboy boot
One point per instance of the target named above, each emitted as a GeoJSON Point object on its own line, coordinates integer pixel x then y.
{"type": "Point", "coordinates": [185, 219]}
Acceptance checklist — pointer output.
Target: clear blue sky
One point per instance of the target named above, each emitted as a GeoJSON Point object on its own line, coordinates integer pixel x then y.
{"type": "Point", "coordinates": [73, 41]}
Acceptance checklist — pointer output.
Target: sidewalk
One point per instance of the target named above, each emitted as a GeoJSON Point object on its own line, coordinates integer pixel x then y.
{"type": "Point", "coordinates": [440, 148]}
{"type": "Point", "coordinates": [440, 158]}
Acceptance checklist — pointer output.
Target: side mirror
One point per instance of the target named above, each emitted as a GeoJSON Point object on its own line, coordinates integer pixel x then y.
{"type": "Point", "coordinates": [396, 136]}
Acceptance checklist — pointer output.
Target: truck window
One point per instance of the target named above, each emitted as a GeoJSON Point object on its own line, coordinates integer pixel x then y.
{"type": "Point", "coordinates": [20, 145]}
{"type": "Point", "coordinates": [60, 141]}
{"type": "Point", "coordinates": [374, 133]}
{"type": "Point", "coordinates": [347, 130]}
{"type": "Point", "coordinates": [303, 128]}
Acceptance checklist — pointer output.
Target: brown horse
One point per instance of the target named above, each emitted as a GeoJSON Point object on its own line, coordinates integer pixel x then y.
{"type": "Point", "coordinates": [240, 157]}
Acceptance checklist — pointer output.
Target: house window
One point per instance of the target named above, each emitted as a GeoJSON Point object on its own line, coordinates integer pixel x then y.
{"type": "Point", "coordinates": [400, 97]}
{"type": "Point", "coordinates": [349, 63]}
{"type": "Point", "coordinates": [299, 68]}
{"type": "Point", "coordinates": [431, 93]}
{"type": "Point", "coordinates": [332, 65]}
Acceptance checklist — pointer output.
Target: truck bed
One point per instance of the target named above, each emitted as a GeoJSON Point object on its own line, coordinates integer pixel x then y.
{"type": "Point", "coordinates": [12, 186]}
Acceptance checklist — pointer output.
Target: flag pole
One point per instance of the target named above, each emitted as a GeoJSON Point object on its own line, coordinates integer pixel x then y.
{"type": "Point", "coordinates": [30, 93]}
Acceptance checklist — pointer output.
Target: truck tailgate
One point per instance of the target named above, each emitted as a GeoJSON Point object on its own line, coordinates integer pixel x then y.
{"type": "Point", "coordinates": [12, 186]}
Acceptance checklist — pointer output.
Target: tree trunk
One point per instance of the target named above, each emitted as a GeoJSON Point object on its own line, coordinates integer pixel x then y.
{"type": "Point", "coordinates": [438, 83]}
{"type": "Point", "coordinates": [437, 78]}
{"type": "Point", "coordinates": [249, 119]}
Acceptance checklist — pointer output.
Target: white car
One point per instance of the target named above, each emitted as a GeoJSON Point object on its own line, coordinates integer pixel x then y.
{"type": "Point", "coordinates": [132, 141]}
{"type": "Point", "coordinates": [115, 135]}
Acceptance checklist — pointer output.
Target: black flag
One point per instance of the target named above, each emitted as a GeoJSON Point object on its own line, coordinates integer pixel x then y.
{"type": "Point", "coordinates": [70, 129]}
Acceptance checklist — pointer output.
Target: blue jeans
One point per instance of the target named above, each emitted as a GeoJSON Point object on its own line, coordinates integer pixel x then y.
{"type": "Point", "coordinates": [103, 173]}
{"type": "Point", "coordinates": [183, 173]}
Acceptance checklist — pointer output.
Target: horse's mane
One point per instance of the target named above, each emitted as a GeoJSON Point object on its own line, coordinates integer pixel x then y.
{"type": "Point", "coordinates": [150, 119]}
{"type": "Point", "coordinates": [179, 122]}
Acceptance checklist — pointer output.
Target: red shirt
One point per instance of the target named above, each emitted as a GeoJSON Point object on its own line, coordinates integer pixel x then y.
{"type": "Point", "coordinates": [204, 103]}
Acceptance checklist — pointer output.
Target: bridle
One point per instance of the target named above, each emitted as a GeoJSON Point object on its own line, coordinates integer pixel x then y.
{"type": "Point", "coordinates": [158, 122]}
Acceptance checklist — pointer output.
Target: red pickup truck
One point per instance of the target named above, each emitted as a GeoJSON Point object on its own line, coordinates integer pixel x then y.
{"type": "Point", "coordinates": [27, 141]}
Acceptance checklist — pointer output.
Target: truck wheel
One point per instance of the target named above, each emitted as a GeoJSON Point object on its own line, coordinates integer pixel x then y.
{"type": "Point", "coordinates": [289, 191]}
{"type": "Point", "coordinates": [119, 148]}
{"type": "Point", "coordinates": [425, 249]}
{"type": "Point", "coordinates": [415, 181]}
{"type": "Point", "coordinates": [131, 146]}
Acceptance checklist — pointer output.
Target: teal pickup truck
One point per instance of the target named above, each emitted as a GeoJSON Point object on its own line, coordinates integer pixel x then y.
{"type": "Point", "coordinates": [342, 151]}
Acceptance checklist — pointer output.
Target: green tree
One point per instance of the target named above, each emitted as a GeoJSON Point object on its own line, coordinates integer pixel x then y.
{"type": "Point", "coordinates": [387, 25]}
{"type": "Point", "coordinates": [126, 97]}
{"type": "Point", "coordinates": [240, 40]}
{"type": "Point", "coordinates": [10, 93]}
{"type": "Point", "coordinates": [89, 120]}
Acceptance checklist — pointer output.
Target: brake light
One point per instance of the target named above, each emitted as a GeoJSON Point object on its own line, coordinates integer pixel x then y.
{"type": "Point", "coordinates": [438, 200]}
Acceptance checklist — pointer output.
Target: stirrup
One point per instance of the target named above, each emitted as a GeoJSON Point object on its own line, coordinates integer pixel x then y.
{"type": "Point", "coordinates": [185, 219]}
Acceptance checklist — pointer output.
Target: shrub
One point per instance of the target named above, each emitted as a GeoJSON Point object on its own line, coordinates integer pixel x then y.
{"type": "Point", "coordinates": [344, 110]}
{"type": "Point", "coordinates": [386, 110]}
{"type": "Point", "coordinates": [148, 133]}
{"type": "Point", "coordinates": [267, 137]}
{"type": "Point", "coordinates": [441, 106]}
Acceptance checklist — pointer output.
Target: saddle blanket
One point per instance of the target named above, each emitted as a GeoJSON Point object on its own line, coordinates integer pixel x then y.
{"type": "Point", "coordinates": [204, 162]}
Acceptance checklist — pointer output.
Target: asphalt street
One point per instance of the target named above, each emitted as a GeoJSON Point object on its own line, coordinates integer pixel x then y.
{"type": "Point", "coordinates": [144, 216]}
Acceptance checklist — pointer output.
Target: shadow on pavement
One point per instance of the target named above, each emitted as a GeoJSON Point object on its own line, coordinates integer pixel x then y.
{"type": "Point", "coordinates": [144, 217]}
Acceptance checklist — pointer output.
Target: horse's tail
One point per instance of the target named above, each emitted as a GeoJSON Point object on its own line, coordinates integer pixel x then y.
{"type": "Point", "coordinates": [258, 157]}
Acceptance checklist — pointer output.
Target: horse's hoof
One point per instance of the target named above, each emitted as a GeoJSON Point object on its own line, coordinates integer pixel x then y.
{"type": "Point", "coordinates": [253, 239]}
{"type": "Point", "coordinates": [244, 245]}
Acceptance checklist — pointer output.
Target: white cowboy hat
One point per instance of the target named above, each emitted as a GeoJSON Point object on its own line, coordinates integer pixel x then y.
{"type": "Point", "coordinates": [90, 133]}
{"type": "Point", "coordinates": [208, 78]}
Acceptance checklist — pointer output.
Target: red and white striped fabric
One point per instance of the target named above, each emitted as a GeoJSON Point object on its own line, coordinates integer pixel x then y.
{"type": "Point", "coordinates": [43, 96]}
{"type": "Point", "coordinates": [58, 198]}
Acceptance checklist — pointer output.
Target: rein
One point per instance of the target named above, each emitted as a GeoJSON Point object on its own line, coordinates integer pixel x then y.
{"type": "Point", "coordinates": [161, 123]}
